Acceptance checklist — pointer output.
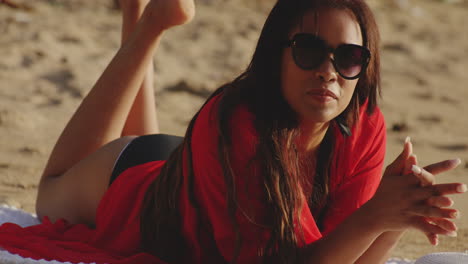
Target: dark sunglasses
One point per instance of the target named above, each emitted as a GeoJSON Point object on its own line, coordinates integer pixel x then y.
{"type": "Point", "coordinates": [310, 51]}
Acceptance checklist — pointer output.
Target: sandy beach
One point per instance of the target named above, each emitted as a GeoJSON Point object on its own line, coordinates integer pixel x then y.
{"type": "Point", "coordinates": [52, 52]}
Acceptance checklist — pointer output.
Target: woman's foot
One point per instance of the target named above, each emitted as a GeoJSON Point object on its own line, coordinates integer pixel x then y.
{"type": "Point", "coordinates": [169, 13]}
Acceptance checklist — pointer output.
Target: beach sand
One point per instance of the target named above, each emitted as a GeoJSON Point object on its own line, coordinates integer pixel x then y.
{"type": "Point", "coordinates": [52, 52]}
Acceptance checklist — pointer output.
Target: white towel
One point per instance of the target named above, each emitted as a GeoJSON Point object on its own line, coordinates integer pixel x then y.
{"type": "Point", "coordinates": [8, 258]}
{"type": "Point", "coordinates": [444, 258]}
{"type": "Point", "coordinates": [13, 215]}
{"type": "Point", "coordinates": [399, 261]}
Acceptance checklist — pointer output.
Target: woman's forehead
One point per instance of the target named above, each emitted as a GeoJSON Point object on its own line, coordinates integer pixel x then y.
{"type": "Point", "coordinates": [336, 26]}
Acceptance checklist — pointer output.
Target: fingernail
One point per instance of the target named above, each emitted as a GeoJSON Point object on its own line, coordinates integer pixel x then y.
{"type": "Point", "coordinates": [452, 234]}
{"type": "Point", "coordinates": [416, 169]}
{"type": "Point", "coordinates": [462, 188]}
{"type": "Point", "coordinates": [407, 139]}
{"type": "Point", "coordinates": [455, 215]}
{"type": "Point", "coordinates": [456, 161]}
{"type": "Point", "coordinates": [451, 203]}
{"type": "Point", "coordinates": [436, 242]}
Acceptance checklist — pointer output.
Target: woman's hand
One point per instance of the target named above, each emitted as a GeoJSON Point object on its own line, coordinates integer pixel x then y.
{"type": "Point", "coordinates": [165, 14]}
{"type": "Point", "coordinates": [404, 201]}
{"type": "Point", "coordinates": [426, 177]}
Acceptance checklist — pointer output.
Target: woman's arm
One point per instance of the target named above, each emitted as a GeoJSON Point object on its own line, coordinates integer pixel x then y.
{"type": "Point", "coordinates": [380, 251]}
{"type": "Point", "coordinates": [368, 228]}
{"type": "Point", "coordinates": [364, 177]}
{"type": "Point", "coordinates": [382, 247]}
{"type": "Point", "coordinates": [363, 244]}
{"type": "Point", "coordinates": [372, 230]}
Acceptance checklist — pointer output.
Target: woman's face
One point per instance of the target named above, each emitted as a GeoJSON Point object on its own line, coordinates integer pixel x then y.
{"type": "Point", "coordinates": [319, 95]}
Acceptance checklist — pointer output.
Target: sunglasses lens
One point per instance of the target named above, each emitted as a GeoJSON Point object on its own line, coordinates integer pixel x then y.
{"type": "Point", "coordinates": [308, 51]}
{"type": "Point", "coordinates": [350, 60]}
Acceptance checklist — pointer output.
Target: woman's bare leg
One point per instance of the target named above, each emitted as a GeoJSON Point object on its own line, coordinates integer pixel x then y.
{"type": "Point", "coordinates": [142, 119]}
{"type": "Point", "coordinates": [104, 112]}
{"type": "Point", "coordinates": [78, 170]}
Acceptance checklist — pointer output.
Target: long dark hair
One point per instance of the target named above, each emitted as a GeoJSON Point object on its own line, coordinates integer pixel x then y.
{"type": "Point", "coordinates": [277, 126]}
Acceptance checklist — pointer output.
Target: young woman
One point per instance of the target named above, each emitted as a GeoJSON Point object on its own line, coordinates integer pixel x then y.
{"type": "Point", "coordinates": [280, 165]}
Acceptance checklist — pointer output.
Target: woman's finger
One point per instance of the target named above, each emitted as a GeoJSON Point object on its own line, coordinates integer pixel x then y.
{"type": "Point", "coordinates": [409, 145]}
{"type": "Point", "coordinates": [435, 212]}
{"type": "Point", "coordinates": [398, 165]}
{"type": "Point", "coordinates": [448, 188]}
{"type": "Point", "coordinates": [443, 223]}
{"type": "Point", "coordinates": [423, 175]}
{"type": "Point", "coordinates": [442, 166]}
{"type": "Point", "coordinates": [440, 201]}
{"type": "Point", "coordinates": [424, 195]}
{"type": "Point", "coordinates": [433, 238]}
{"type": "Point", "coordinates": [410, 162]}
{"type": "Point", "coordinates": [428, 228]}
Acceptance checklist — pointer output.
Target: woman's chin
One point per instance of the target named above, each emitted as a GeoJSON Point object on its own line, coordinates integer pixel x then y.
{"type": "Point", "coordinates": [320, 113]}
{"type": "Point", "coordinates": [318, 117]}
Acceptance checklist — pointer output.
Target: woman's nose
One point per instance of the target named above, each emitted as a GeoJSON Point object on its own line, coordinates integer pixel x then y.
{"type": "Point", "coordinates": [326, 71]}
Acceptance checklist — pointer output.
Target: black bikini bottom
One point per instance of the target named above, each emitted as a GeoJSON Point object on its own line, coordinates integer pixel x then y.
{"type": "Point", "coordinates": [144, 149]}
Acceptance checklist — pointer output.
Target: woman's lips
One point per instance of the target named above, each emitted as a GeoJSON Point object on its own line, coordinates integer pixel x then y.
{"type": "Point", "coordinates": [322, 95]}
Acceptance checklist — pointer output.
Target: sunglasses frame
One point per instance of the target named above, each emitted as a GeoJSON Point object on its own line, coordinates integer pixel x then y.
{"type": "Point", "coordinates": [293, 42]}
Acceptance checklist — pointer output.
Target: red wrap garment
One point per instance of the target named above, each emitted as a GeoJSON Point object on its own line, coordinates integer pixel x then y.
{"type": "Point", "coordinates": [355, 174]}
